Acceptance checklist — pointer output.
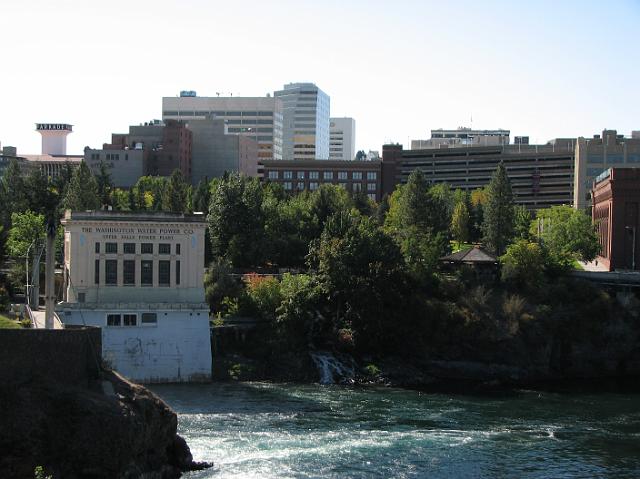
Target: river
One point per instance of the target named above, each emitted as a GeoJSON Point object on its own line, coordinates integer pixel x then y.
{"type": "Point", "coordinates": [261, 430]}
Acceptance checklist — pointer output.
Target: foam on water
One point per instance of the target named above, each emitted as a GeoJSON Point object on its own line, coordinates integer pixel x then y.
{"type": "Point", "coordinates": [313, 431]}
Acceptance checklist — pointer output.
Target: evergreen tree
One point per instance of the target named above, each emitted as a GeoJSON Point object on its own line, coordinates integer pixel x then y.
{"type": "Point", "coordinates": [522, 222]}
{"type": "Point", "coordinates": [201, 196]}
{"type": "Point", "coordinates": [14, 190]}
{"type": "Point", "coordinates": [175, 194]}
{"type": "Point", "coordinates": [82, 193]}
{"type": "Point", "coordinates": [42, 195]}
{"type": "Point", "coordinates": [105, 185]}
{"type": "Point", "coordinates": [497, 227]}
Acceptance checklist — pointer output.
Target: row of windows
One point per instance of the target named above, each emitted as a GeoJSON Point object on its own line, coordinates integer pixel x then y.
{"type": "Point", "coordinates": [131, 319]}
{"type": "Point", "coordinates": [217, 113]}
{"type": "Point", "coordinates": [130, 248]}
{"type": "Point", "coordinates": [327, 175]}
{"type": "Point", "coordinates": [129, 272]}
{"type": "Point", "coordinates": [288, 185]}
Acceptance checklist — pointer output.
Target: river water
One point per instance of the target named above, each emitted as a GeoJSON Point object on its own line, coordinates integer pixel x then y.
{"type": "Point", "coordinates": [260, 430]}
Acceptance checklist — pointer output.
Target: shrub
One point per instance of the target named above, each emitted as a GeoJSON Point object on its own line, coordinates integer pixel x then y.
{"type": "Point", "coordinates": [264, 293]}
{"type": "Point", "coordinates": [523, 264]}
{"type": "Point", "coordinates": [372, 370]}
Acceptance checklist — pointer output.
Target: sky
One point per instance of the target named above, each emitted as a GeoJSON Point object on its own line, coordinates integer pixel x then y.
{"type": "Point", "coordinates": [545, 69]}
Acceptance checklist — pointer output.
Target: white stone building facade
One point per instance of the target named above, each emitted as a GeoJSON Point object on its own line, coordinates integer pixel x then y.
{"type": "Point", "coordinates": [139, 276]}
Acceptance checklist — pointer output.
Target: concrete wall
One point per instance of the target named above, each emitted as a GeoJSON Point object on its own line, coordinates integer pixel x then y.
{"type": "Point", "coordinates": [70, 356]}
{"type": "Point", "coordinates": [176, 349]}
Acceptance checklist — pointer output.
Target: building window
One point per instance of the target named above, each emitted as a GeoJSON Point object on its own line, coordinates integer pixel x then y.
{"type": "Point", "coordinates": [97, 248]}
{"type": "Point", "coordinates": [357, 187]}
{"type": "Point", "coordinates": [342, 175]}
{"type": "Point", "coordinates": [177, 272]}
{"type": "Point", "coordinates": [146, 248]}
{"type": "Point", "coordinates": [342, 185]}
{"type": "Point", "coordinates": [288, 175]}
{"type": "Point", "coordinates": [149, 318]}
{"type": "Point", "coordinates": [129, 320]}
{"type": "Point", "coordinates": [314, 175]}
{"type": "Point", "coordinates": [129, 248]}
{"type": "Point", "coordinates": [273, 175]}
{"type": "Point", "coordinates": [328, 175]}
{"type": "Point", "coordinates": [146, 272]}
{"type": "Point", "coordinates": [356, 175]}
{"type": "Point", "coordinates": [372, 196]}
{"type": "Point", "coordinates": [300, 175]}
{"type": "Point", "coordinates": [371, 175]}
{"type": "Point", "coordinates": [177, 248]}
{"type": "Point", "coordinates": [300, 186]}
{"type": "Point", "coordinates": [111, 271]}
{"type": "Point", "coordinates": [96, 271]}
{"type": "Point", "coordinates": [164, 248]}
{"type": "Point", "coordinates": [81, 298]}
{"type": "Point", "coordinates": [111, 248]}
{"type": "Point", "coordinates": [313, 186]}
{"type": "Point", "coordinates": [129, 271]}
{"type": "Point", "coordinates": [288, 185]}
{"type": "Point", "coordinates": [113, 320]}
{"type": "Point", "coordinates": [371, 187]}
{"type": "Point", "coordinates": [164, 273]}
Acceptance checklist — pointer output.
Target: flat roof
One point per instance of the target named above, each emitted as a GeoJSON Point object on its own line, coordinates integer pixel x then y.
{"type": "Point", "coordinates": [158, 217]}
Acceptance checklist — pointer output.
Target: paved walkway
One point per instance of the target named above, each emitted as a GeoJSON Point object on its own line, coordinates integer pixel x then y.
{"type": "Point", "coordinates": [593, 266]}
{"type": "Point", "coordinates": [39, 319]}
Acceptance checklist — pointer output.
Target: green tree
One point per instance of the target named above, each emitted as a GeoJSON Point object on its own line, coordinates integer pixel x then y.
{"type": "Point", "coordinates": [201, 196]}
{"type": "Point", "coordinates": [120, 199]}
{"type": "Point", "coordinates": [219, 283]}
{"type": "Point", "coordinates": [26, 228]}
{"type": "Point", "coordinates": [460, 223]}
{"type": "Point", "coordinates": [477, 200]}
{"type": "Point", "coordinates": [497, 226]}
{"type": "Point", "coordinates": [567, 233]}
{"type": "Point", "coordinates": [82, 193]}
{"type": "Point", "coordinates": [236, 221]}
{"type": "Point", "coordinates": [14, 191]}
{"type": "Point", "coordinates": [176, 194]}
{"type": "Point", "coordinates": [105, 185]}
{"type": "Point", "coordinates": [361, 272]}
{"type": "Point", "coordinates": [522, 222]}
{"type": "Point", "coordinates": [361, 155]}
{"type": "Point", "coordinates": [523, 264]}
{"type": "Point", "coordinates": [42, 194]}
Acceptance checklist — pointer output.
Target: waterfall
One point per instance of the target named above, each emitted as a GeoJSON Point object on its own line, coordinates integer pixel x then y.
{"type": "Point", "coordinates": [332, 369]}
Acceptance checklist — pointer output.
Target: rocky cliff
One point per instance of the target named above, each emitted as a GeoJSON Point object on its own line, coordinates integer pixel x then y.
{"type": "Point", "coordinates": [110, 429]}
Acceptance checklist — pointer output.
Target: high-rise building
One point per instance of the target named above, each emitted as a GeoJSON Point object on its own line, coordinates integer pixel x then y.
{"type": "Point", "coordinates": [216, 152]}
{"type": "Point", "coordinates": [259, 118]}
{"type": "Point", "coordinates": [342, 140]}
{"type": "Point", "coordinates": [463, 137]}
{"type": "Point", "coordinates": [597, 154]}
{"type": "Point", "coordinates": [305, 110]}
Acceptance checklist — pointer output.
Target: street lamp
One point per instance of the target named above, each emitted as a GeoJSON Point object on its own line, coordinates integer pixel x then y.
{"type": "Point", "coordinates": [633, 245]}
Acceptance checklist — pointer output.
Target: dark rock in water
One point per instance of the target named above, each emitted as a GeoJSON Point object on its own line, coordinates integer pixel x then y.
{"type": "Point", "coordinates": [113, 429]}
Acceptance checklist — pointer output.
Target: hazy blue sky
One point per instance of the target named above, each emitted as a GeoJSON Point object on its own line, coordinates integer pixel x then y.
{"type": "Point", "coordinates": [541, 68]}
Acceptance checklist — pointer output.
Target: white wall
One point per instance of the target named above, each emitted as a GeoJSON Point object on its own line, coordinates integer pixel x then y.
{"type": "Point", "coordinates": [177, 349]}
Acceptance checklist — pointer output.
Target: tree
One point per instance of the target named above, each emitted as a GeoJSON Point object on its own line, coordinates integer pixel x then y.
{"type": "Point", "coordinates": [460, 223]}
{"type": "Point", "coordinates": [523, 264]}
{"type": "Point", "coordinates": [14, 191]}
{"type": "Point", "coordinates": [26, 228]}
{"type": "Point", "coordinates": [42, 195]}
{"type": "Point", "coordinates": [105, 185]}
{"type": "Point", "coordinates": [567, 233]}
{"type": "Point", "coordinates": [361, 155]}
{"type": "Point", "coordinates": [478, 200]}
{"type": "Point", "coordinates": [522, 222]}
{"type": "Point", "coordinates": [361, 272]}
{"type": "Point", "coordinates": [176, 194]}
{"type": "Point", "coordinates": [497, 227]}
{"type": "Point", "coordinates": [418, 222]}
{"type": "Point", "coordinates": [120, 199]}
{"type": "Point", "coordinates": [236, 221]}
{"type": "Point", "coordinates": [201, 196]}
{"type": "Point", "coordinates": [82, 193]}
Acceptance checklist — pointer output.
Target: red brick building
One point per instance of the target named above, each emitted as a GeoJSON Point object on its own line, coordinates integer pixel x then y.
{"type": "Point", "coordinates": [616, 201]}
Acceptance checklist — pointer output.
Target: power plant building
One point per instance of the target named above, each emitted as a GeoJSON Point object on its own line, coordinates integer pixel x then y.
{"type": "Point", "coordinates": [139, 277]}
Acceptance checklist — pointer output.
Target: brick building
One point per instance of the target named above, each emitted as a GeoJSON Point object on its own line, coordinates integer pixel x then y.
{"type": "Point", "coordinates": [616, 200]}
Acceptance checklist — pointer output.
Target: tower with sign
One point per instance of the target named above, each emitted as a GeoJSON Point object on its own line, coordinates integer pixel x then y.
{"type": "Point", "coordinates": [54, 137]}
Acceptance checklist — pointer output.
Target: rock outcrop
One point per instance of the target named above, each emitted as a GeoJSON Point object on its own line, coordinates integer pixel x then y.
{"type": "Point", "coordinates": [110, 429]}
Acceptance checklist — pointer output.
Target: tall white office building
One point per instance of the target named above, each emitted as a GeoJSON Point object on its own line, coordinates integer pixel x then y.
{"type": "Point", "coordinates": [342, 140]}
{"type": "Point", "coordinates": [259, 118]}
{"type": "Point", "coordinates": [305, 130]}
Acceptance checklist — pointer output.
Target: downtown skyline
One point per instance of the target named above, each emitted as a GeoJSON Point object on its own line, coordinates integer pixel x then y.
{"type": "Point", "coordinates": [543, 70]}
